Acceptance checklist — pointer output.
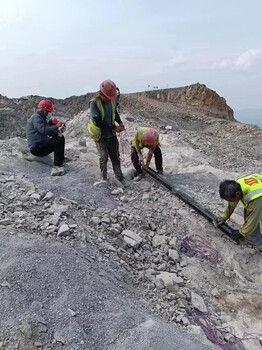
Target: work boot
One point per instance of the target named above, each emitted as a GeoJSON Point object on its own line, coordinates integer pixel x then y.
{"type": "Point", "coordinates": [57, 171]}
{"type": "Point", "coordinates": [160, 172]}
{"type": "Point", "coordinates": [139, 177]}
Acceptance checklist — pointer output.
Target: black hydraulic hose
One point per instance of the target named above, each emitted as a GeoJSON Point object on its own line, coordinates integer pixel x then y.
{"type": "Point", "coordinates": [225, 228]}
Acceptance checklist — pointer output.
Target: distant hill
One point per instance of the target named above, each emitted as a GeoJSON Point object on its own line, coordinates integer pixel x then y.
{"type": "Point", "coordinates": [249, 116]}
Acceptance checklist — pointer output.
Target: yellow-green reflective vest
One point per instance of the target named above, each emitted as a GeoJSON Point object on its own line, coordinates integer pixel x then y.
{"type": "Point", "coordinates": [251, 187]}
{"type": "Point", "coordinates": [93, 130]}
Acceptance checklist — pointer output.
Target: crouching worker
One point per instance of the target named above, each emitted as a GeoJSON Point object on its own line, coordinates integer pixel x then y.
{"type": "Point", "coordinates": [145, 137]}
{"type": "Point", "coordinates": [247, 190]}
{"type": "Point", "coordinates": [102, 128]}
{"type": "Point", "coordinates": [43, 138]}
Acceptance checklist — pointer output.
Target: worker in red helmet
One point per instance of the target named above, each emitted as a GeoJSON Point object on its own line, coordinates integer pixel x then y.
{"type": "Point", "coordinates": [102, 128]}
{"type": "Point", "coordinates": [149, 138]}
{"type": "Point", "coordinates": [44, 139]}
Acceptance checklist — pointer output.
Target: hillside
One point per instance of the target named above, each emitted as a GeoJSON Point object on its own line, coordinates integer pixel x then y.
{"type": "Point", "coordinates": [190, 100]}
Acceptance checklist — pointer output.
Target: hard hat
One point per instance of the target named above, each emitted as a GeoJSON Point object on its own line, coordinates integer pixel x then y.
{"type": "Point", "coordinates": [150, 137]}
{"type": "Point", "coordinates": [108, 88]}
{"type": "Point", "coordinates": [46, 105]}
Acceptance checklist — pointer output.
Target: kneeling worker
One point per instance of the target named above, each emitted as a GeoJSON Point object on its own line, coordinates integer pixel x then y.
{"type": "Point", "coordinates": [44, 139]}
{"type": "Point", "coordinates": [248, 190]}
{"type": "Point", "coordinates": [149, 138]}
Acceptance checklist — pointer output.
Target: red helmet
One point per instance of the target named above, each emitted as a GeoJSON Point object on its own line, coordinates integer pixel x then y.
{"type": "Point", "coordinates": [150, 137]}
{"type": "Point", "coordinates": [46, 105]}
{"type": "Point", "coordinates": [108, 88]}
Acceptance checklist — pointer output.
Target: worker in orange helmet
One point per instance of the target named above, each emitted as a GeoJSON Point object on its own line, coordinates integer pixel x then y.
{"type": "Point", "coordinates": [102, 128]}
{"type": "Point", "coordinates": [149, 138]}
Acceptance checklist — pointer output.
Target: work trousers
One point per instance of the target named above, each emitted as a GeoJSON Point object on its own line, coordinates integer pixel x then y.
{"type": "Point", "coordinates": [158, 159]}
{"type": "Point", "coordinates": [109, 147]}
{"type": "Point", "coordinates": [56, 145]}
{"type": "Point", "coordinates": [255, 238]}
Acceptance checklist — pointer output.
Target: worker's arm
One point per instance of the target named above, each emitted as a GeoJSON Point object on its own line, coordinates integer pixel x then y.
{"type": "Point", "coordinates": [43, 128]}
{"type": "Point", "coordinates": [253, 216]}
{"type": "Point", "coordinates": [138, 148]}
{"type": "Point", "coordinates": [150, 154]}
{"type": "Point", "coordinates": [96, 115]}
{"type": "Point", "coordinates": [228, 211]}
{"type": "Point", "coordinates": [121, 126]}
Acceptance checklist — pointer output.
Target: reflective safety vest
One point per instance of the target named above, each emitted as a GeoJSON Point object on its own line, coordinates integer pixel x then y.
{"type": "Point", "coordinates": [251, 187]}
{"type": "Point", "coordinates": [93, 130]}
{"type": "Point", "coordinates": [139, 136]}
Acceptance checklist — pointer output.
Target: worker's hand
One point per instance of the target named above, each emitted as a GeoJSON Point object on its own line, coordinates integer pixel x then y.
{"type": "Point", "coordinates": [120, 128]}
{"type": "Point", "coordinates": [237, 237]}
{"type": "Point", "coordinates": [62, 128]}
{"type": "Point", "coordinates": [59, 124]}
{"type": "Point", "coordinates": [218, 221]}
{"type": "Point", "coordinates": [144, 167]}
{"type": "Point", "coordinates": [141, 160]}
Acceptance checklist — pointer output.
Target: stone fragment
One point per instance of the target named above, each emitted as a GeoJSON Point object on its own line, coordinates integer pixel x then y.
{"type": "Point", "coordinates": [59, 337]}
{"type": "Point", "coordinates": [48, 196]}
{"type": "Point", "coordinates": [158, 240]}
{"type": "Point", "coordinates": [95, 220]}
{"type": "Point", "coordinates": [72, 312]}
{"type": "Point", "coordinates": [173, 242]}
{"type": "Point", "coordinates": [173, 254]}
{"type": "Point", "coordinates": [57, 209]}
{"type": "Point", "coordinates": [131, 238]}
{"type": "Point", "coordinates": [198, 302]}
{"type": "Point", "coordinates": [5, 222]}
{"type": "Point", "coordinates": [63, 230]}
{"type": "Point", "coordinates": [35, 196]}
{"type": "Point", "coordinates": [26, 329]}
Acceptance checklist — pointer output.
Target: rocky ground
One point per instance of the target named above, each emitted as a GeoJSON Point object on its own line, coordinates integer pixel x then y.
{"type": "Point", "coordinates": [101, 267]}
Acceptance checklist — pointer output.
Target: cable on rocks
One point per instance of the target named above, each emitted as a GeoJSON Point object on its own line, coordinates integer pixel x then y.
{"type": "Point", "coordinates": [200, 247]}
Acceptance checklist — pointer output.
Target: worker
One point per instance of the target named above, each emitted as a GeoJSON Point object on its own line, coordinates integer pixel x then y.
{"type": "Point", "coordinates": [43, 138]}
{"type": "Point", "coordinates": [247, 190]}
{"type": "Point", "coordinates": [102, 128]}
{"type": "Point", "coordinates": [149, 138]}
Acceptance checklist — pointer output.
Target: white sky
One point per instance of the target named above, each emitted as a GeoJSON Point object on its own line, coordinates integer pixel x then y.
{"type": "Point", "coordinates": [61, 48]}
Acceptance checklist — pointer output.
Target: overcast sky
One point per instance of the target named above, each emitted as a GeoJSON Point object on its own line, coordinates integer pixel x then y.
{"type": "Point", "coordinates": [61, 48]}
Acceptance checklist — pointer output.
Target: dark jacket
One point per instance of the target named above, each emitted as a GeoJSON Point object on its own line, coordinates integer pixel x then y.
{"type": "Point", "coordinates": [38, 130]}
{"type": "Point", "coordinates": [107, 125]}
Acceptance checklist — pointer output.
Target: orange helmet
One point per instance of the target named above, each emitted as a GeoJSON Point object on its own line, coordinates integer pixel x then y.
{"type": "Point", "coordinates": [108, 89]}
{"type": "Point", "coordinates": [46, 105]}
{"type": "Point", "coordinates": [150, 137]}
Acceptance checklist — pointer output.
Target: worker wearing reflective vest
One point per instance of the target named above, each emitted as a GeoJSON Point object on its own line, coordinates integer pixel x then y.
{"type": "Point", "coordinates": [103, 130]}
{"type": "Point", "coordinates": [247, 190]}
{"type": "Point", "coordinates": [145, 137]}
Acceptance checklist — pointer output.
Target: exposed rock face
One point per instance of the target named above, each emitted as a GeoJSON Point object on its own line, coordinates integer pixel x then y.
{"type": "Point", "coordinates": [195, 98]}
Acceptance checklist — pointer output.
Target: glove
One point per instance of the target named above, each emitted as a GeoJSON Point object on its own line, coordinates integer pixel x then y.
{"type": "Point", "coordinates": [218, 221]}
{"type": "Point", "coordinates": [237, 237]}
